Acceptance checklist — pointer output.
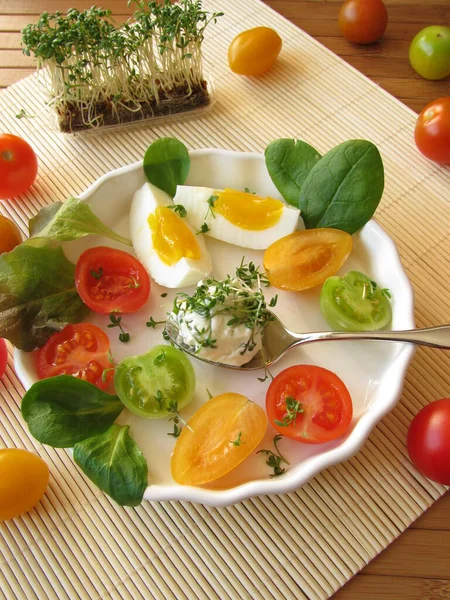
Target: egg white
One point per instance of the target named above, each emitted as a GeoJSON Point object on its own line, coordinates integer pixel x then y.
{"type": "Point", "coordinates": [183, 273]}
{"type": "Point", "coordinates": [195, 200]}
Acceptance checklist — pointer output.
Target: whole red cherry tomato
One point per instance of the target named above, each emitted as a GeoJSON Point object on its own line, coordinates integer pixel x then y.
{"type": "Point", "coordinates": [428, 441]}
{"type": "Point", "coordinates": [3, 357]}
{"type": "Point", "coordinates": [432, 132]}
{"type": "Point", "coordinates": [18, 165]}
{"type": "Point", "coordinates": [363, 21]}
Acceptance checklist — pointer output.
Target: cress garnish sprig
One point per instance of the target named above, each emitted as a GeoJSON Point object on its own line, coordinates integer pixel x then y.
{"type": "Point", "coordinates": [116, 321]}
{"type": "Point", "coordinates": [229, 296]}
{"type": "Point", "coordinates": [251, 274]}
{"type": "Point", "coordinates": [275, 458]}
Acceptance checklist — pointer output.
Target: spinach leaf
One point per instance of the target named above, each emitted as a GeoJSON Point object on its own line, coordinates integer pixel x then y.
{"type": "Point", "coordinates": [167, 164]}
{"type": "Point", "coordinates": [61, 411]}
{"type": "Point", "coordinates": [37, 293]}
{"type": "Point", "coordinates": [114, 462]}
{"type": "Point", "coordinates": [344, 188]}
{"type": "Point", "coordinates": [69, 221]}
{"type": "Point", "coordinates": [289, 162]}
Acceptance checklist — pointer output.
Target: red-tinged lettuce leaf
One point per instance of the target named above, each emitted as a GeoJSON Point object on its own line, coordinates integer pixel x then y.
{"type": "Point", "coordinates": [37, 294]}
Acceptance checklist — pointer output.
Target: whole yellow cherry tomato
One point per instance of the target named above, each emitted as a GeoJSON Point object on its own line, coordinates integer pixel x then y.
{"type": "Point", "coordinates": [23, 481]}
{"type": "Point", "coordinates": [10, 235]}
{"type": "Point", "coordinates": [304, 259]}
{"type": "Point", "coordinates": [220, 435]}
{"type": "Point", "coordinates": [254, 51]}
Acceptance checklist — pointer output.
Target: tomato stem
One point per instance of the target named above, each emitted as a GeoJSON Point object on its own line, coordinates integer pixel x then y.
{"type": "Point", "coordinates": [7, 155]}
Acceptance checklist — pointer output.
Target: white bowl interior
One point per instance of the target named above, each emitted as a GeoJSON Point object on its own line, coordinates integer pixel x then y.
{"type": "Point", "coordinates": [373, 371]}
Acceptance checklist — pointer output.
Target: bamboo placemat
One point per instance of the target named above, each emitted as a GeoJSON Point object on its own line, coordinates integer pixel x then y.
{"type": "Point", "coordinates": [79, 544]}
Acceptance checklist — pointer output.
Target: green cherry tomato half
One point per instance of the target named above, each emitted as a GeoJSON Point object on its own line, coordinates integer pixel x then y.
{"type": "Point", "coordinates": [156, 384]}
{"type": "Point", "coordinates": [354, 303]}
{"type": "Point", "coordinates": [429, 52]}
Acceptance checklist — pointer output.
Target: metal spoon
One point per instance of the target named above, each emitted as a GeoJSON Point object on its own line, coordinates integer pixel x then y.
{"type": "Point", "coordinates": [277, 340]}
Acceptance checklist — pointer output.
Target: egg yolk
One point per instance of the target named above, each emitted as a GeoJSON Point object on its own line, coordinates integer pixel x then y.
{"type": "Point", "coordinates": [171, 237]}
{"type": "Point", "coordinates": [248, 211]}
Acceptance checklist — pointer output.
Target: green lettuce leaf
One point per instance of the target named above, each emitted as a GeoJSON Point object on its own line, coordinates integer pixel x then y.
{"type": "Point", "coordinates": [69, 221]}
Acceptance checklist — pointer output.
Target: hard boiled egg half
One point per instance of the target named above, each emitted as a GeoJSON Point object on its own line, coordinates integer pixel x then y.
{"type": "Point", "coordinates": [236, 217]}
{"type": "Point", "coordinates": [165, 242]}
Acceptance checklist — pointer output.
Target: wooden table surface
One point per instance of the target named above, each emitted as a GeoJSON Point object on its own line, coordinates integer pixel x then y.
{"type": "Point", "coordinates": [417, 565]}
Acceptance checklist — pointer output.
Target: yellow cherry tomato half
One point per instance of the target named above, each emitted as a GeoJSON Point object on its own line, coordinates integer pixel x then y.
{"type": "Point", "coordinates": [23, 481]}
{"type": "Point", "coordinates": [220, 435]}
{"type": "Point", "coordinates": [10, 235]}
{"type": "Point", "coordinates": [254, 51]}
{"type": "Point", "coordinates": [304, 259]}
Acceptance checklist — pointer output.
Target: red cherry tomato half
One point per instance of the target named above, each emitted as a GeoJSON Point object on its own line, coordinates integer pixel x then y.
{"type": "Point", "coordinates": [81, 350]}
{"type": "Point", "coordinates": [428, 441]}
{"type": "Point", "coordinates": [432, 132]}
{"type": "Point", "coordinates": [3, 357]}
{"type": "Point", "coordinates": [110, 280]}
{"type": "Point", "coordinates": [18, 165]}
{"type": "Point", "coordinates": [363, 21]}
{"type": "Point", "coordinates": [309, 404]}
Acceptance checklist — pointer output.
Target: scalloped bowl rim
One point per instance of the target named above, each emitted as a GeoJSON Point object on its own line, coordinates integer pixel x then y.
{"type": "Point", "coordinates": [293, 479]}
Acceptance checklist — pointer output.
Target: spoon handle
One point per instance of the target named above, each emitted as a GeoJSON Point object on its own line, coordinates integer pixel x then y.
{"type": "Point", "coordinates": [436, 337]}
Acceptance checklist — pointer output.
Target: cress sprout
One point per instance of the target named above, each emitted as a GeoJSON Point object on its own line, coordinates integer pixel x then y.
{"type": "Point", "coordinates": [99, 74]}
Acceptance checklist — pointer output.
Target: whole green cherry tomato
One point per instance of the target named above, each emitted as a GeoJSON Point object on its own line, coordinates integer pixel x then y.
{"type": "Point", "coordinates": [254, 51]}
{"type": "Point", "coordinates": [156, 384]}
{"type": "Point", "coordinates": [354, 303]}
{"type": "Point", "coordinates": [429, 52]}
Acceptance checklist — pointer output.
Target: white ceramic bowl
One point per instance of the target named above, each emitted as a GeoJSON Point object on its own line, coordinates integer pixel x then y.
{"type": "Point", "coordinates": [373, 371]}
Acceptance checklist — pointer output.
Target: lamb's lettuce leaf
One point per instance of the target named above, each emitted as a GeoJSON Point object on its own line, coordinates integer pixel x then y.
{"type": "Point", "coordinates": [62, 411]}
{"type": "Point", "coordinates": [114, 462]}
{"type": "Point", "coordinates": [37, 294]}
{"type": "Point", "coordinates": [70, 220]}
